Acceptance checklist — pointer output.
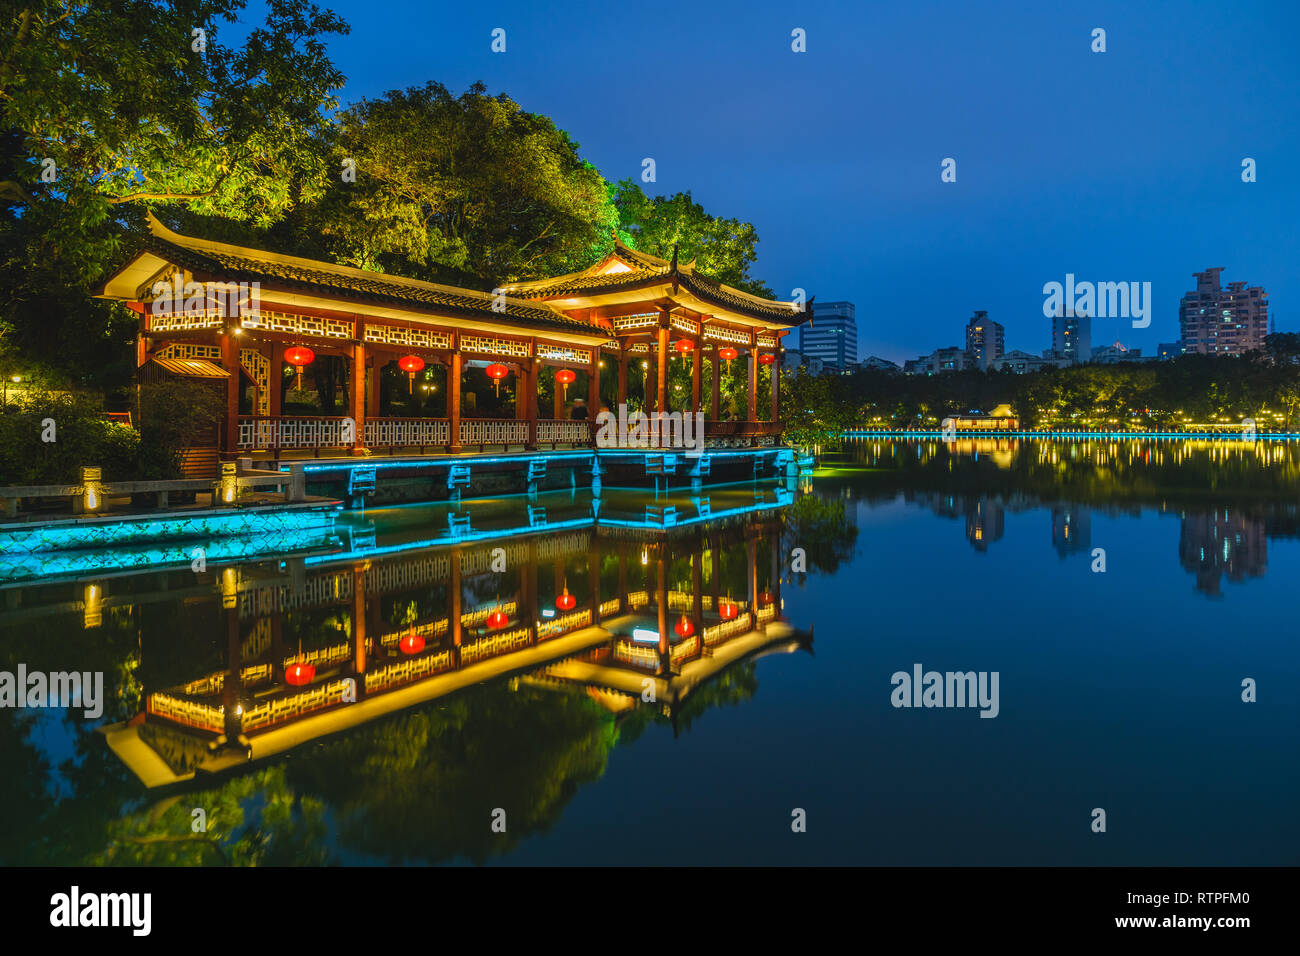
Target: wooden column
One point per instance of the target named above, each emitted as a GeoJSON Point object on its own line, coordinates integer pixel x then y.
{"type": "Point", "coordinates": [697, 592]}
{"type": "Point", "coordinates": [230, 362]}
{"type": "Point", "coordinates": [753, 384]}
{"type": "Point", "coordinates": [529, 381]}
{"type": "Point", "coordinates": [661, 593]}
{"type": "Point", "coordinates": [454, 588]}
{"type": "Point", "coordinates": [715, 411]}
{"type": "Point", "coordinates": [661, 360]}
{"type": "Point", "coordinates": [453, 401]}
{"type": "Point", "coordinates": [697, 358]}
{"type": "Point", "coordinates": [359, 622]}
{"type": "Point", "coordinates": [557, 404]}
{"type": "Point", "coordinates": [277, 379]}
{"type": "Point", "coordinates": [377, 363]}
{"type": "Point", "coordinates": [593, 576]}
{"type": "Point", "coordinates": [622, 378]}
{"type": "Point", "coordinates": [357, 393]}
{"type": "Point", "coordinates": [593, 386]}
{"type": "Point", "coordinates": [775, 369]}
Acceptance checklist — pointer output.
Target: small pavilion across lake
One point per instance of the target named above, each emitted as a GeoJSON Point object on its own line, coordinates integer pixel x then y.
{"type": "Point", "coordinates": [241, 317]}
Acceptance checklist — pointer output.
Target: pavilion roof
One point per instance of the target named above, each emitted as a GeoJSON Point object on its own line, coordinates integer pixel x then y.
{"type": "Point", "coordinates": [231, 263]}
{"type": "Point", "coordinates": [626, 269]}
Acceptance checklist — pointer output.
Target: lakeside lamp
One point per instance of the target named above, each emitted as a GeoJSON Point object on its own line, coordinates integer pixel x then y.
{"type": "Point", "coordinates": [299, 357]}
{"type": "Point", "coordinates": [411, 643]}
{"type": "Point", "coordinates": [565, 377]}
{"type": "Point", "coordinates": [92, 489]}
{"type": "Point", "coordinates": [410, 364]}
{"type": "Point", "coordinates": [684, 627]}
{"type": "Point", "coordinates": [497, 372]}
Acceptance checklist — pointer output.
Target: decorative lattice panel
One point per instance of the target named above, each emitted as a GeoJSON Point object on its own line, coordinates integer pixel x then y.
{"type": "Point", "coordinates": [563, 624]}
{"type": "Point", "coordinates": [683, 324]}
{"type": "Point", "coordinates": [323, 656]}
{"type": "Point", "coordinates": [186, 321]}
{"type": "Point", "coordinates": [636, 654]}
{"type": "Point", "coordinates": [685, 650]}
{"type": "Point", "coordinates": [187, 351]}
{"type": "Point", "coordinates": [186, 712]}
{"type": "Point", "coordinates": [557, 353]}
{"type": "Point", "coordinates": [306, 326]}
{"type": "Point", "coordinates": [723, 333]}
{"type": "Point", "coordinates": [767, 341]}
{"type": "Point", "coordinates": [558, 545]}
{"type": "Point", "coordinates": [643, 320]}
{"type": "Point", "coordinates": [321, 589]}
{"type": "Point", "coordinates": [296, 433]}
{"type": "Point", "coordinates": [563, 431]}
{"type": "Point", "coordinates": [641, 349]}
{"type": "Point", "coordinates": [493, 346]}
{"type": "Point", "coordinates": [408, 573]}
{"type": "Point", "coordinates": [403, 672]}
{"type": "Point", "coordinates": [258, 641]}
{"type": "Point", "coordinates": [496, 645]}
{"type": "Point", "coordinates": [408, 338]}
{"type": "Point", "coordinates": [296, 705]}
{"type": "Point", "coordinates": [609, 607]}
{"type": "Point", "coordinates": [720, 632]}
{"type": "Point", "coordinates": [394, 432]}
{"type": "Point", "coordinates": [475, 618]}
{"type": "Point", "coordinates": [428, 630]}
{"type": "Point", "coordinates": [258, 367]}
{"type": "Point", "coordinates": [493, 431]}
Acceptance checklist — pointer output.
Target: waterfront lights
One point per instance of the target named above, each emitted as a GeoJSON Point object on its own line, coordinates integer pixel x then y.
{"type": "Point", "coordinates": [410, 364]}
{"type": "Point", "coordinates": [497, 620]}
{"type": "Point", "coordinates": [299, 356]}
{"type": "Point", "coordinates": [411, 643]}
{"type": "Point", "coordinates": [497, 372]}
{"type": "Point", "coordinates": [727, 353]}
{"type": "Point", "coordinates": [566, 601]}
{"type": "Point", "coordinates": [564, 378]}
{"type": "Point", "coordinates": [684, 627]}
{"type": "Point", "coordinates": [91, 489]}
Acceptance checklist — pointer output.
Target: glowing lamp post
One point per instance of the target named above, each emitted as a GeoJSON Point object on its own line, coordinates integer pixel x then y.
{"type": "Point", "coordinates": [299, 357]}
{"type": "Point", "coordinates": [410, 364]}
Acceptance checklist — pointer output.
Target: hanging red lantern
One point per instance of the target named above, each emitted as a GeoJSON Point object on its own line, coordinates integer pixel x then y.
{"type": "Point", "coordinates": [727, 610]}
{"type": "Point", "coordinates": [411, 643]}
{"type": "Point", "coordinates": [684, 347]}
{"type": "Point", "coordinates": [765, 597]}
{"type": "Point", "coordinates": [565, 377]}
{"type": "Point", "coordinates": [497, 620]}
{"type": "Point", "coordinates": [497, 372]}
{"type": "Point", "coordinates": [299, 356]}
{"type": "Point", "coordinates": [727, 353]}
{"type": "Point", "coordinates": [410, 364]}
{"type": "Point", "coordinates": [299, 672]}
{"type": "Point", "coordinates": [767, 358]}
{"type": "Point", "coordinates": [684, 626]}
{"type": "Point", "coordinates": [566, 601]}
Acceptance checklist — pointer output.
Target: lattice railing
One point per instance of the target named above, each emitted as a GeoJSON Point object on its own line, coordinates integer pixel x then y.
{"type": "Point", "coordinates": [322, 656]}
{"type": "Point", "coordinates": [307, 326]}
{"type": "Point", "coordinates": [685, 650]}
{"type": "Point", "coordinates": [485, 344]}
{"type": "Point", "coordinates": [493, 431]}
{"type": "Point", "coordinates": [564, 624]}
{"type": "Point", "coordinates": [683, 324]}
{"type": "Point", "coordinates": [427, 630]}
{"type": "Point", "coordinates": [722, 333]}
{"type": "Point", "coordinates": [720, 632]}
{"type": "Point", "coordinates": [558, 353]}
{"type": "Point", "coordinates": [495, 645]}
{"type": "Point", "coordinates": [295, 705]}
{"type": "Point", "coordinates": [627, 323]}
{"type": "Point", "coordinates": [260, 433]}
{"type": "Point", "coordinates": [609, 607]}
{"type": "Point", "coordinates": [563, 430]}
{"type": "Point", "coordinates": [638, 654]}
{"type": "Point", "coordinates": [202, 716]}
{"type": "Point", "coordinates": [767, 341]}
{"type": "Point", "coordinates": [186, 321]}
{"type": "Point", "coordinates": [403, 672]}
{"type": "Point", "coordinates": [393, 432]}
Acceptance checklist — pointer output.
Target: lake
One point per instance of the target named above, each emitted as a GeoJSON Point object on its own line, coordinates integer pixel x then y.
{"type": "Point", "coordinates": [701, 679]}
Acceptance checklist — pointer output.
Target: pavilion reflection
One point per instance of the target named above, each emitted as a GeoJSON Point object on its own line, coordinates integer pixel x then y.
{"type": "Point", "coordinates": [634, 617]}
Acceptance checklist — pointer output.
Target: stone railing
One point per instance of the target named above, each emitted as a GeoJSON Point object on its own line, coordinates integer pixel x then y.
{"type": "Point", "coordinates": [407, 432]}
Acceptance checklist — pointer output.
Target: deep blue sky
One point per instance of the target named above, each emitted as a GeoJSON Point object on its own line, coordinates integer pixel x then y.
{"type": "Point", "coordinates": [1118, 166]}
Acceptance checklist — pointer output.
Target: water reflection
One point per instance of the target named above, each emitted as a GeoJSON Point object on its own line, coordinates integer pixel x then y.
{"type": "Point", "coordinates": [435, 663]}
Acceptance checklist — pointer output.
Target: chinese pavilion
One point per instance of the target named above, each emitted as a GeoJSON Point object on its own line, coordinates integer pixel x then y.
{"type": "Point", "coordinates": [628, 308]}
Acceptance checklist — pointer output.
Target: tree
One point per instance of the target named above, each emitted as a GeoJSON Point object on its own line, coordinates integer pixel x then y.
{"type": "Point", "coordinates": [107, 109]}
{"type": "Point", "coordinates": [723, 249]}
{"type": "Point", "coordinates": [471, 189]}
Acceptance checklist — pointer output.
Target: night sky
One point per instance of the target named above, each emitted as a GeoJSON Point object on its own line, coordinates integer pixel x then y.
{"type": "Point", "coordinates": [1115, 166]}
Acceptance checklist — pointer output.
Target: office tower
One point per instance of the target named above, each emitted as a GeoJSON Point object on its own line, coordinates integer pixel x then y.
{"type": "Point", "coordinates": [1071, 336]}
{"type": "Point", "coordinates": [985, 341]}
{"type": "Point", "coordinates": [1219, 321]}
{"type": "Point", "coordinates": [832, 335]}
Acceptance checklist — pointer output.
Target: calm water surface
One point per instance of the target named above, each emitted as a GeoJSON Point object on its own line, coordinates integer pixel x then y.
{"type": "Point", "coordinates": [1118, 690]}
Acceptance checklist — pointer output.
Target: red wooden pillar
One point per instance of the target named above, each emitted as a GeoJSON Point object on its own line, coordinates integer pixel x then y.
{"type": "Point", "coordinates": [715, 411]}
{"type": "Point", "coordinates": [775, 369]}
{"type": "Point", "coordinates": [528, 379]}
{"type": "Point", "coordinates": [453, 401]}
{"type": "Point", "coordinates": [557, 404]}
{"type": "Point", "coordinates": [622, 378]}
{"type": "Point", "coordinates": [455, 588]}
{"type": "Point", "coordinates": [377, 363]}
{"type": "Point", "coordinates": [359, 622]}
{"type": "Point", "coordinates": [357, 392]}
{"type": "Point", "coordinates": [593, 391]}
{"type": "Point", "coordinates": [661, 592]}
{"type": "Point", "coordinates": [230, 361]}
{"type": "Point", "coordinates": [696, 372]}
{"type": "Point", "coordinates": [753, 379]}
{"type": "Point", "coordinates": [661, 401]}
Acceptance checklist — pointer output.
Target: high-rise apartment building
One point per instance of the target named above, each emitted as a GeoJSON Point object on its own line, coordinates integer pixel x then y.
{"type": "Point", "coordinates": [1219, 321]}
{"type": "Point", "coordinates": [832, 336]}
{"type": "Point", "coordinates": [1071, 336]}
{"type": "Point", "coordinates": [985, 341]}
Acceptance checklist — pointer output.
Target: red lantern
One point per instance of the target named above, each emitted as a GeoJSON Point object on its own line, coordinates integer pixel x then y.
{"type": "Point", "coordinates": [684, 347]}
{"type": "Point", "coordinates": [410, 364]}
{"type": "Point", "coordinates": [566, 601]}
{"type": "Point", "coordinates": [299, 356]}
{"type": "Point", "coordinates": [411, 643]}
{"type": "Point", "coordinates": [727, 353]}
{"type": "Point", "coordinates": [497, 620]}
{"type": "Point", "coordinates": [767, 358]}
{"type": "Point", "coordinates": [299, 673]}
{"type": "Point", "coordinates": [727, 610]}
{"type": "Point", "coordinates": [684, 627]}
{"type": "Point", "coordinates": [565, 377]}
{"type": "Point", "coordinates": [765, 597]}
{"type": "Point", "coordinates": [497, 372]}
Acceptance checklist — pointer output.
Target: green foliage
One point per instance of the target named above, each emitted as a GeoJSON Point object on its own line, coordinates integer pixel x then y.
{"type": "Point", "coordinates": [723, 249]}
{"type": "Point", "coordinates": [816, 409]}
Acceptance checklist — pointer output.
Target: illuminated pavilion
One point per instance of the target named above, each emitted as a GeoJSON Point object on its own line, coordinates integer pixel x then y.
{"type": "Point", "coordinates": [629, 308]}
